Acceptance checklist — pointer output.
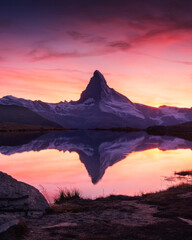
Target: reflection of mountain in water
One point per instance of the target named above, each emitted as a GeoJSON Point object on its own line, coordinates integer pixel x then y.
{"type": "Point", "coordinates": [97, 150]}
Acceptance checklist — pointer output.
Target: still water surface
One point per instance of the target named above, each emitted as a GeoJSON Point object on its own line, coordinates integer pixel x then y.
{"type": "Point", "coordinates": [96, 163]}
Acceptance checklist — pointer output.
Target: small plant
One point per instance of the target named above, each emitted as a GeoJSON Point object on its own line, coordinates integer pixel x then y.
{"type": "Point", "coordinates": [45, 193]}
{"type": "Point", "coordinates": [65, 195]}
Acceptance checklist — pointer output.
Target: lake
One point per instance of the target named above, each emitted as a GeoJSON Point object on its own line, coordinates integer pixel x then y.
{"type": "Point", "coordinates": [97, 163]}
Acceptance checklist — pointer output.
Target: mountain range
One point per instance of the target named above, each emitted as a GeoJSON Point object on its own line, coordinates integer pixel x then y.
{"type": "Point", "coordinates": [99, 106]}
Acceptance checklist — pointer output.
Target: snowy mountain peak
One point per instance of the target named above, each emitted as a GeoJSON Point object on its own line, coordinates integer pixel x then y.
{"type": "Point", "coordinates": [96, 88]}
{"type": "Point", "coordinates": [102, 107]}
{"type": "Point", "coordinates": [9, 97]}
{"type": "Point", "coordinates": [8, 100]}
{"type": "Point", "coordinates": [97, 76]}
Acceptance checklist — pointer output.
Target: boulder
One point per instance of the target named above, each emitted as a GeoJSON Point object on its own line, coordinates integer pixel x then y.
{"type": "Point", "coordinates": [20, 198]}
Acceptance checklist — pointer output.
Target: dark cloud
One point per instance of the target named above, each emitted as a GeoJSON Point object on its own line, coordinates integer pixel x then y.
{"type": "Point", "coordinates": [164, 59]}
{"type": "Point", "coordinates": [96, 39]}
{"type": "Point", "coordinates": [39, 54]}
{"type": "Point", "coordinates": [85, 21]}
{"type": "Point", "coordinates": [87, 38]}
{"type": "Point", "coordinates": [175, 12]}
{"type": "Point", "coordinates": [120, 45]}
{"type": "Point", "coordinates": [46, 53]}
{"type": "Point", "coordinates": [77, 35]}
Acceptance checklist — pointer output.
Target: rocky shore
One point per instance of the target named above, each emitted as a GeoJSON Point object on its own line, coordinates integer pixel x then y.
{"type": "Point", "coordinates": [159, 216]}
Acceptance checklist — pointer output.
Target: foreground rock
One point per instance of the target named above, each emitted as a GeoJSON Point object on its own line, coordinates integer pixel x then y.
{"type": "Point", "coordinates": [19, 197]}
{"type": "Point", "coordinates": [17, 201]}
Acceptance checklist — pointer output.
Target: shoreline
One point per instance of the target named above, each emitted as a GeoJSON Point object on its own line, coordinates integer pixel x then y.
{"type": "Point", "coordinates": [155, 131]}
{"type": "Point", "coordinates": [162, 215]}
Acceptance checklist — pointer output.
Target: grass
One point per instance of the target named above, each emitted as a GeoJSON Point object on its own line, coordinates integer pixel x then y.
{"type": "Point", "coordinates": [66, 195]}
{"type": "Point", "coordinates": [173, 202]}
{"type": "Point", "coordinates": [66, 201]}
{"type": "Point", "coordinates": [171, 192]}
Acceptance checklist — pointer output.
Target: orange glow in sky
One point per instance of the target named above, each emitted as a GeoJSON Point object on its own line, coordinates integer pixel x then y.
{"type": "Point", "coordinates": [49, 51]}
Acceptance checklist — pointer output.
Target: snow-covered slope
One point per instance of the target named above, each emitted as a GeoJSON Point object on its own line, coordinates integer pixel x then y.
{"type": "Point", "coordinates": [14, 116]}
{"type": "Point", "coordinates": [102, 107]}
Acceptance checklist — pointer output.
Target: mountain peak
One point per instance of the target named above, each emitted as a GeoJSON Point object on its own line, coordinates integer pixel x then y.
{"type": "Point", "coordinates": [98, 78]}
{"type": "Point", "coordinates": [95, 88]}
{"type": "Point", "coordinates": [9, 97]}
{"type": "Point", "coordinates": [99, 75]}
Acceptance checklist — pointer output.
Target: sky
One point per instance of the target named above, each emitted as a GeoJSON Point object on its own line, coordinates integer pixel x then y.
{"type": "Point", "coordinates": [49, 49]}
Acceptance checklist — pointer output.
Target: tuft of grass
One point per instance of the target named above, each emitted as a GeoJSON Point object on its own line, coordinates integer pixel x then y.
{"type": "Point", "coordinates": [45, 193]}
{"type": "Point", "coordinates": [66, 195]}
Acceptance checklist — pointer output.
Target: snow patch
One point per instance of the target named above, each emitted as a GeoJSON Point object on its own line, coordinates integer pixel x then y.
{"type": "Point", "coordinates": [121, 109]}
{"type": "Point", "coordinates": [173, 112]}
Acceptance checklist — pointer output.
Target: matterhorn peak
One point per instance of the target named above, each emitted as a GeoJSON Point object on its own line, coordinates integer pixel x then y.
{"type": "Point", "coordinates": [95, 88]}
{"type": "Point", "coordinates": [99, 76]}
{"type": "Point", "coordinates": [98, 79]}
